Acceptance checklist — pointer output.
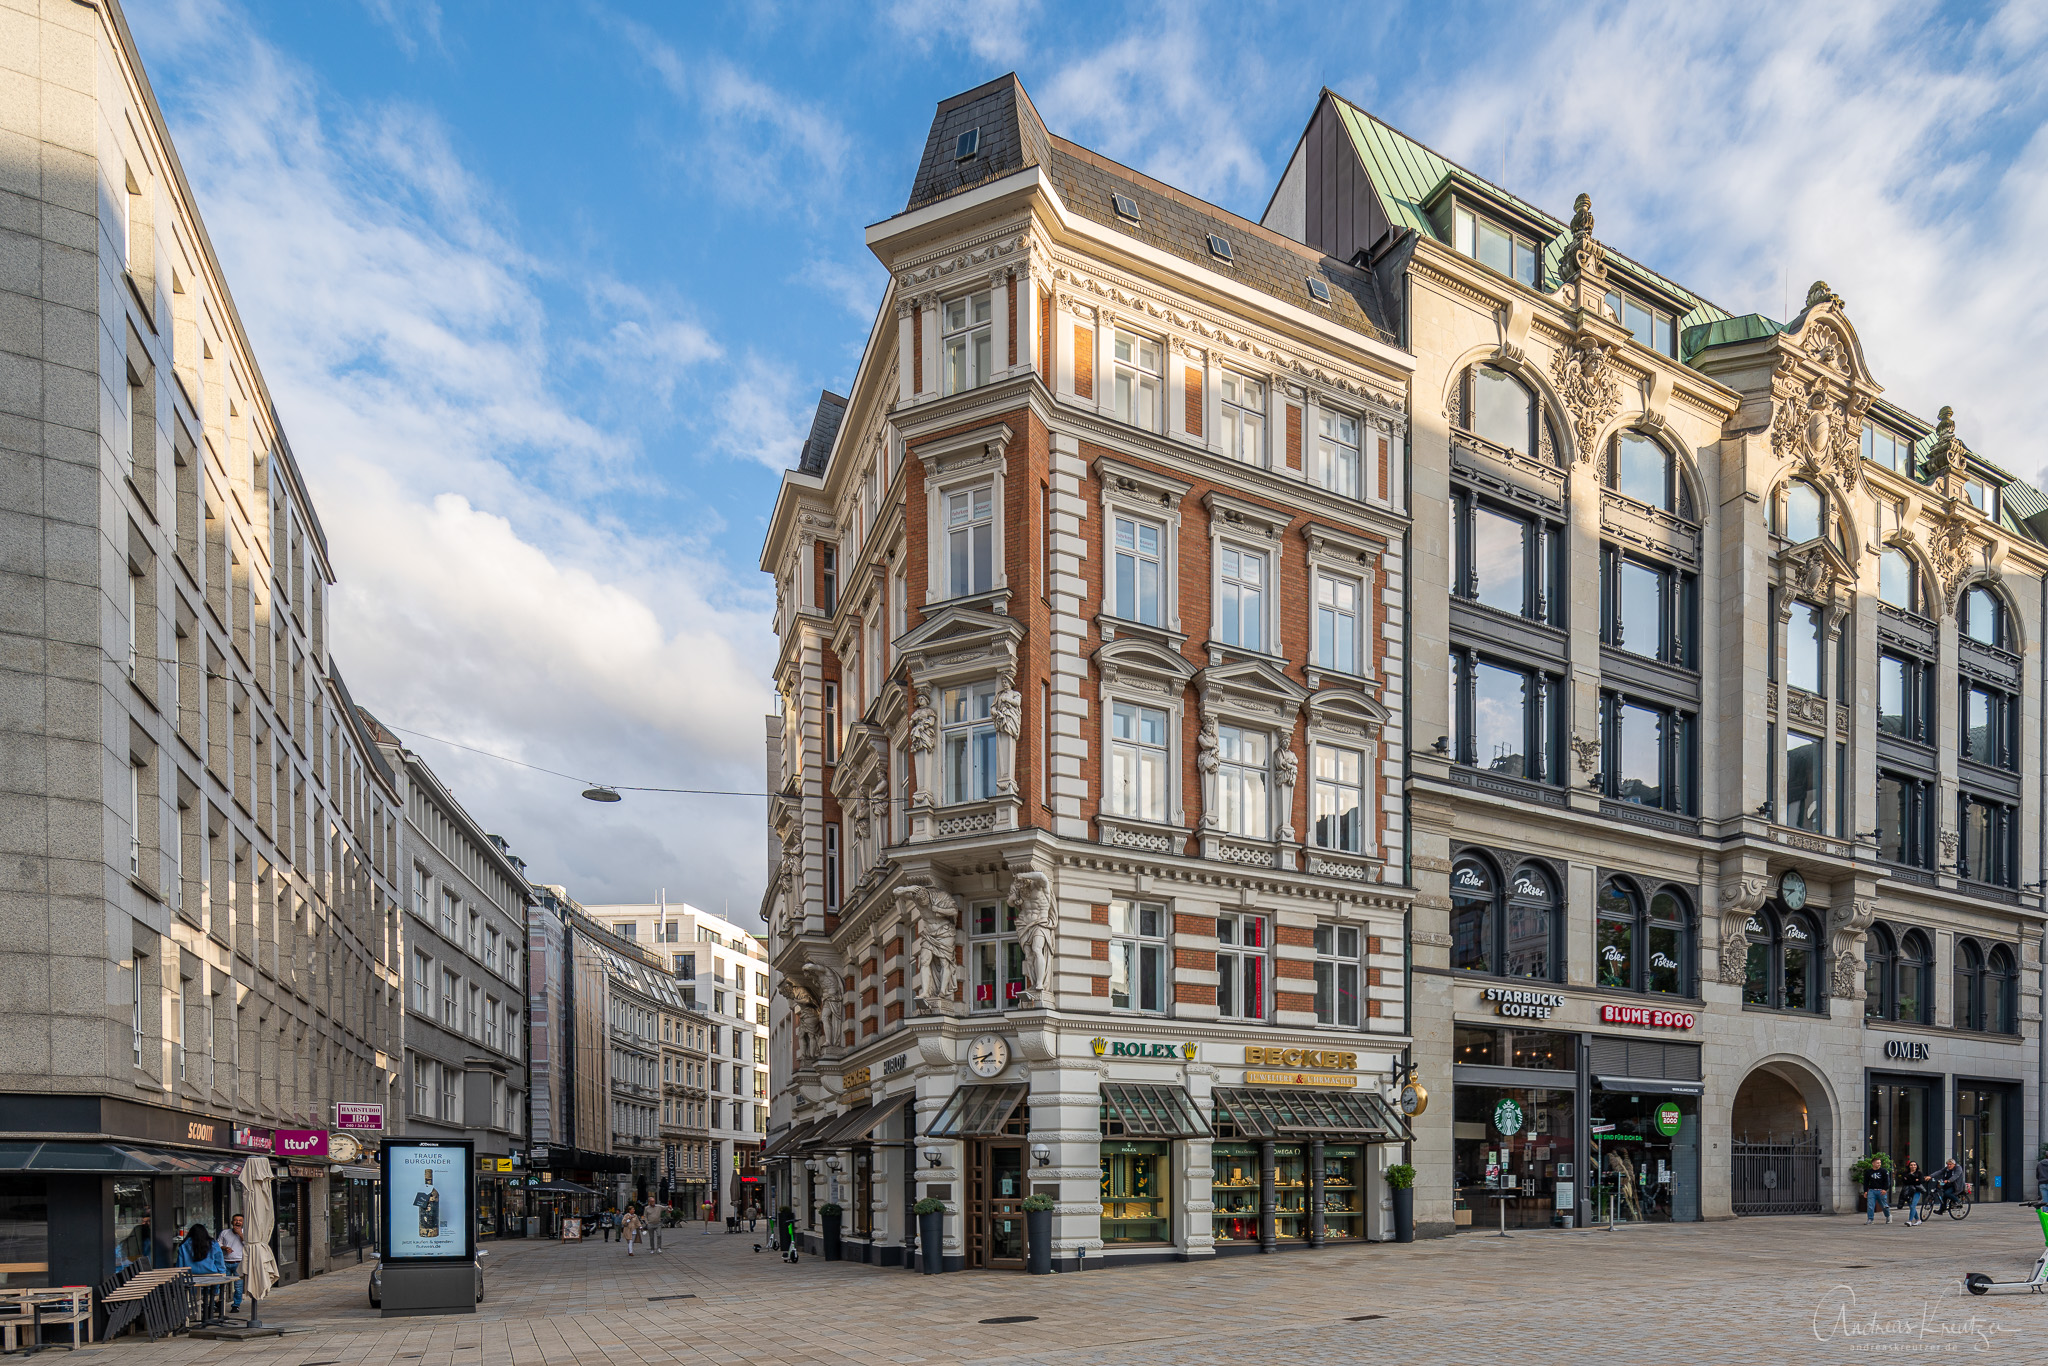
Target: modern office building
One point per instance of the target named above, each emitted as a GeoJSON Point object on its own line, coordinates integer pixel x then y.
{"type": "Point", "coordinates": [1091, 838]}
{"type": "Point", "coordinates": [203, 849]}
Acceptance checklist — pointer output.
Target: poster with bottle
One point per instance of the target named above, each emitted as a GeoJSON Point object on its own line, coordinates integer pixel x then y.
{"type": "Point", "coordinates": [428, 1199]}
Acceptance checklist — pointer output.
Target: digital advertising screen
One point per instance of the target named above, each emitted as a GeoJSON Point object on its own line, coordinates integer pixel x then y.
{"type": "Point", "coordinates": [429, 1196]}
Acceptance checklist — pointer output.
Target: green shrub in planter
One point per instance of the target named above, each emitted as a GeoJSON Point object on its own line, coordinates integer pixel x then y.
{"type": "Point", "coordinates": [929, 1205]}
{"type": "Point", "coordinates": [828, 1208]}
{"type": "Point", "coordinates": [1035, 1203]}
{"type": "Point", "coordinates": [1401, 1176]}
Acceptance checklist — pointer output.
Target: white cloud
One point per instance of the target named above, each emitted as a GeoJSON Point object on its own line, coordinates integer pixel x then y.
{"type": "Point", "coordinates": [762, 416]}
{"type": "Point", "coordinates": [857, 289]}
{"type": "Point", "coordinates": [484, 596]}
{"type": "Point", "coordinates": [410, 22]}
{"type": "Point", "coordinates": [995, 31]}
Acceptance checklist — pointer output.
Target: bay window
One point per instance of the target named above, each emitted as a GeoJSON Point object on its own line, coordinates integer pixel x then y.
{"type": "Point", "coordinates": [1337, 453]}
{"type": "Point", "coordinates": [1337, 634]}
{"type": "Point", "coordinates": [970, 541]}
{"type": "Point", "coordinates": [1494, 246]}
{"type": "Point", "coordinates": [1338, 975]}
{"type": "Point", "coordinates": [1241, 971]}
{"type": "Point", "coordinates": [1137, 956]}
{"type": "Point", "coordinates": [1505, 718]}
{"type": "Point", "coordinates": [968, 742]}
{"type": "Point", "coordinates": [1138, 761]}
{"type": "Point", "coordinates": [966, 337]}
{"type": "Point", "coordinates": [1241, 598]}
{"type": "Point", "coordinates": [1138, 557]}
{"type": "Point", "coordinates": [1243, 767]}
{"type": "Point", "coordinates": [1649, 325]}
{"type": "Point", "coordinates": [1244, 419]}
{"type": "Point", "coordinates": [1338, 799]}
{"type": "Point", "coordinates": [995, 961]}
{"type": "Point", "coordinates": [1137, 384]}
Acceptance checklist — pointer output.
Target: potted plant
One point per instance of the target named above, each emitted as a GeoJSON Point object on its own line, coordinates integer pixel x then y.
{"type": "Point", "coordinates": [831, 1213]}
{"type": "Point", "coordinates": [1401, 1180]}
{"type": "Point", "coordinates": [931, 1233]}
{"type": "Point", "coordinates": [1038, 1234]}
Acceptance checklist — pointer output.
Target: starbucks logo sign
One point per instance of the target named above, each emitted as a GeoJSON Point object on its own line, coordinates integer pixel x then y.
{"type": "Point", "coordinates": [1507, 1117]}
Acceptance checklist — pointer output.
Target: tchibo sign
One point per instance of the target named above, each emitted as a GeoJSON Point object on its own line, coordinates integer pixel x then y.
{"type": "Point", "coordinates": [1647, 1015]}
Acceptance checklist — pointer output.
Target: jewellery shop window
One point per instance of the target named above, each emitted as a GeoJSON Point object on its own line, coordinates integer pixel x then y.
{"type": "Point", "coordinates": [1235, 1189]}
{"type": "Point", "coordinates": [1134, 1190]}
{"type": "Point", "coordinates": [1290, 1190]}
{"type": "Point", "coordinates": [1343, 1191]}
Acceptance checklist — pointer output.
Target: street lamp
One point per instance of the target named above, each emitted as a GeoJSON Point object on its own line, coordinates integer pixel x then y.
{"type": "Point", "coordinates": [598, 792]}
{"type": "Point", "coordinates": [832, 1166]}
{"type": "Point", "coordinates": [1041, 1154]}
{"type": "Point", "coordinates": [932, 1156]}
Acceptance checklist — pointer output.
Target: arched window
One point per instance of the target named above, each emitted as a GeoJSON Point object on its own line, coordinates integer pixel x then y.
{"type": "Point", "coordinates": [1669, 966]}
{"type": "Point", "coordinates": [1531, 928]}
{"type": "Point", "coordinates": [1880, 958]}
{"type": "Point", "coordinates": [1898, 580]}
{"type": "Point", "coordinates": [1982, 618]}
{"type": "Point", "coordinates": [1969, 985]}
{"type": "Point", "coordinates": [1784, 965]}
{"type": "Point", "coordinates": [1503, 410]}
{"type": "Point", "coordinates": [2001, 992]}
{"type": "Point", "coordinates": [1643, 947]}
{"type": "Point", "coordinates": [1617, 940]}
{"type": "Point", "coordinates": [1801, 512]}
{"type": "Point", "coordinates": [1473, 893]}
{"type": "Point", "coordinates": [1915, 980]}
{"type": "Point", "coordinates": [1642, 469]}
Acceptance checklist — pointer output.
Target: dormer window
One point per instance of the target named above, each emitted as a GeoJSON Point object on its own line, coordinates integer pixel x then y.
{"type": "Point", "coordinates": [1649, 325]}
{"type": "Point", "coordinates": [1888, 449]}
{"type": "Point", "coordinates": [1982, 496]}
{"type": "Point", "coordinates": [968, 145]}
{"type": "Point", "coordinates": [1126, 207]}
{"type": "Point", "coordinates": [1494, 246]}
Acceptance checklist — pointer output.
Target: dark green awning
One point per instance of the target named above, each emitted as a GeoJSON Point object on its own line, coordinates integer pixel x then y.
{"type": "Point", "coordinates": [1308, 1112]}
{"type": "Point", "coordinates": [976, 1112]}
{"type": "Point", "coordinates": [1150, 1110]}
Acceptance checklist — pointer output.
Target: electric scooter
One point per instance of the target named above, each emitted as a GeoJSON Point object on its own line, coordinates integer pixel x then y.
{"type": "Point", "coordinates": [1977, 1283]}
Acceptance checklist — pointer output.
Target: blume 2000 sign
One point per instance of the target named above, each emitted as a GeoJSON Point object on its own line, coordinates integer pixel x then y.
{"type": "Point", "coordinates": [1647, 1015]}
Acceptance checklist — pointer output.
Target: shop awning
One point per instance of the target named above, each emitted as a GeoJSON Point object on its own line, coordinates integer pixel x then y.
{"type": "Point", "coordinates": [855, 1125]}
{"type": "Point", "coordinates": [784, 1145]}
{"type": "Point", "coordinates": [1288, 1112]}
{"type": "Point", "coordinates": [1149, 1110]}
{"type": "Point", "coordinates": [113, 1159]}
{"type": "Point", "coordinates": [976, 1112]}
{"type": "Point", "coordinates": [562, 1188]}
{"type": "Point", "coordinates": [1652, 1086]}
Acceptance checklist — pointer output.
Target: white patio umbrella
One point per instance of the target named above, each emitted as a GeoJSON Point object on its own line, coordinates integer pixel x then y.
{"type": "Point", "coordinates": [259, 1212]}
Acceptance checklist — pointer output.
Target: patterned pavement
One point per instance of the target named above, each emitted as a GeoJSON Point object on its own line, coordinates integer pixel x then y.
{"type": "Point", "coordinates": [1748, 1291]}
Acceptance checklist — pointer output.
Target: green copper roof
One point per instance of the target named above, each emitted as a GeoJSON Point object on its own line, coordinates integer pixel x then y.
{"type": "Point", "coordinates": [1726, 331]}
{"type": "Point", "coordinates": [1405, 172]}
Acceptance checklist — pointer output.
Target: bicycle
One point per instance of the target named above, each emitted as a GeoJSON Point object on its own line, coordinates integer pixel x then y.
{"type": "Point", "coordinates": [1954, 1203]}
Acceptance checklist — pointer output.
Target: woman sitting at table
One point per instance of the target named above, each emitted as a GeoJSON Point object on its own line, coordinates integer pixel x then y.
{"type": "Point", "coordinates": [198, 1250]}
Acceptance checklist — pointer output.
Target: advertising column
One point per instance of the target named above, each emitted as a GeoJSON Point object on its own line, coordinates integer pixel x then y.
{"type": "Point", "coordinates": [429, 1246]}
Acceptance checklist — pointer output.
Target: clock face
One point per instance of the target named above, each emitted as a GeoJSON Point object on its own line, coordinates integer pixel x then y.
{"type": "Point", "coordinates": [1413, 1099]}
{"type": "Point", "coordinates": [988, 1055]}
{"type": "Point", "coordinates": [1792, 890]}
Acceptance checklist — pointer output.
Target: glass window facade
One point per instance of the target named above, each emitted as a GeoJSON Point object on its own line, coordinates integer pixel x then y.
{"type": "Point", "coordinates": [1235, 1189]}
{"type": "Point", "coordinates": [1646, 1175]}
{"type": "Point", "coordinates": [1532, 1170]}
{"type": "Point", "coordinates": [1135, 1181]}
{"type": "Point", "coordinates": [24, 1230]}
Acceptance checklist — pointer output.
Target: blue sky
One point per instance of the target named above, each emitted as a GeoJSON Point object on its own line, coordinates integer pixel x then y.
{"type": "Point", "coordinates": [546, 291]}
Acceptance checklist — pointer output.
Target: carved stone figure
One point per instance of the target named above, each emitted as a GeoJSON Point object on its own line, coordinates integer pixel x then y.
{"type": "Point", "coordinates": [831, 996]}
{"type": "Point", "coordinates": [1037, 932]}
{"type": "Point", "coordinates": [1585, 260]}
{"type": "Point", "coordinates": [787, 905]}
{"type": "Point", "coordinates": [924, 724]}
{"type": "Point", "coordinates": [1286, 770]}
{"type": "Point", "coordinates": [809, 1031]}
{"type": "Point", "coordinates": [1006, 709]}
{"type": "Point", "coordinates": [936, 917]}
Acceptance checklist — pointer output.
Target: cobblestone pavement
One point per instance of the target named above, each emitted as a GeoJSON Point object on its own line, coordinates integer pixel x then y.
{"type": "Point", "coordinates": [1761, 1290]}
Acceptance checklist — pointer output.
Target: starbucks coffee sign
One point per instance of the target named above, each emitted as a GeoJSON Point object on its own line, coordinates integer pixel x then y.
{"type": "Point", "coordinates": [1522, 1005]}
{"type": "Point", "coordinates": [1507, 1116]}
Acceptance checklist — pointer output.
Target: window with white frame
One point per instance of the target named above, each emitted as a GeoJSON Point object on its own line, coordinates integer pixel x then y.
{"type": "Point", "coordinates": [451, 987]}
{"type": "Point", "coordinates": [1242, 943]}
{"type": "Point", "coordinates": [1337, 975]}
{"type": "Point", "coordinates": [422, 983]}
{"type": "Point", "coordinates": [491, 941]}
{"type": "Point", "coordinates": [1139, 561]}
{"type": "Point", "coordinates": [419, 891]}
{"type": "Point", "coordinates": [491, 1017]}
{"type": "Point", "coordinates": [1339, 798]}
{"type": "Point", "coordinates": [1337, 623]}
{"type": "Point", "coordinates": [422, 1088]}
{"type": "Point", "coordinates": [1137, 956]}
{"type": "Point", "coordinates": [1138, 761]}
{"type": "Point", "coordinates": [1242, 781]}
{"type": "Point", "coordinates": [449, 905]}
{"type": "Point", "coordinates": [1337, 452]}
{"type": "Point", "coordinates": [1241, 597]}
{"type": "Point", "coordinates": [1137, 385]}
{"type": "Point", "coordinates": [967, 337]}
{"type": "Point", "coordinates": [970, 541]}
{"type": "Point", "coordinates": [829, 727]}
{"type": "Point", "coordinates": [451, 1094]}
{"type": "Point", "coordinates": [474, 1026]}
{"type": "Point", "coordinates": [1244, 419]}
{"type": "Point", "coordinates": [995, 960]}
{"type": "Point", "coordinates": [969, 735]}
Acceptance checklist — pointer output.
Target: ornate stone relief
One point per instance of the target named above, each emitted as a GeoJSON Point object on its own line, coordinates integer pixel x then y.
{"type": "Point", "coordinates": [975, 256]}
{"type": "Point", "coordinates": [1739, 900]}
{"type": "Point", "coordinates": [1585, 750]}
{"type": "Point", "coordinates": [1583, 371]}
{"type": "Point", "coordinates": [936, 917]}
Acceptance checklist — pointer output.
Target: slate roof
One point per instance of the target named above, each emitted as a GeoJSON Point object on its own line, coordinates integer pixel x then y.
{"type": "Point", "coordinates": [1013, 137]}
{"type": "Point", "coordinates": [824, 430]}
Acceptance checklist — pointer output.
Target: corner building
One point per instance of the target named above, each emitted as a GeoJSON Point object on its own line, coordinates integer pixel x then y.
{"type": "Point", "coordinates": [1090, 601]}
{"type": "Point", "coordinates": [1726, 815]}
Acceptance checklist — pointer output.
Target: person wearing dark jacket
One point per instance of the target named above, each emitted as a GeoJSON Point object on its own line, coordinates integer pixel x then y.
{"type": "Point", "coordinates": [1912, 1188]}
{"type": "Point", "coordinates": [1877, 1186]}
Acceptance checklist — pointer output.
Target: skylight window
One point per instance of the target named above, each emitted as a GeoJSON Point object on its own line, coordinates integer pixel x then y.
{"type": "Point", "coordinates": [1219, 247]}
{"type": "Point", "coordinates": [1319, 290]}
{"type": "Point", "coordinates": [1126, 207]}
{"type": "Point", "coordinates": [970, 142]}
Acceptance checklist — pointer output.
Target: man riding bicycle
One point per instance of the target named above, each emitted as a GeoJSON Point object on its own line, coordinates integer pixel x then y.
{"type": "Point", "coordinates": [1949, 1186]}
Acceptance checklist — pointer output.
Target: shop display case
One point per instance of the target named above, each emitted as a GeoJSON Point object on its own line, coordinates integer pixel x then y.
{"type": "Point", "coordinates": [1235, 1190]}
{"type": "Point", "coordinates": [1134, 1181]}
{"type": "Point", "coordinates": [1290, 1191]}
{"type": "Point", "coordinates": [1343, 1191]}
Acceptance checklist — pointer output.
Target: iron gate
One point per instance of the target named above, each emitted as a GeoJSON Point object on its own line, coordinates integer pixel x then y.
{"type": "Point", "coordinates": [1776, 1176]}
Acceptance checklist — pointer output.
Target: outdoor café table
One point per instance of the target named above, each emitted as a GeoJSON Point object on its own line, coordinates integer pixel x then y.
{"type": "Point", "coordinates": [213, 1297]}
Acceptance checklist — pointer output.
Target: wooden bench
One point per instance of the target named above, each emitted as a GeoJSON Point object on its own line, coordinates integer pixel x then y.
{"type": "Point", "coordinates": [29, 1310]}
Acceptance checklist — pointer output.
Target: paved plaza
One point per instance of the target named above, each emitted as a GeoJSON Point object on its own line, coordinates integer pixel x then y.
{"type": "Point", "coordinates": [1775, 1290]}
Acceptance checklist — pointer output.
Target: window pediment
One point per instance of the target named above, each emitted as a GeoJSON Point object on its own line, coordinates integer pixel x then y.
{"type": "Point", "coordinates": [1340, 549]}
{"type": "Point", "coordinates": [962, 453]}
{"type": "Point", "coordinates": [1141, 658]}
{"type": "Point", "coordinates": [1252, 690]}
{"type": "Point", "coordinates": [1120, 478]}
{"type": "Point", "coordinates": [1243, 517]}
{"type": "Point", "coordinates": [1814, 570]}
{"type": "Point", "coordinates": [1346, 712]}
{"type": "Point", "coordinates": [961, 642]}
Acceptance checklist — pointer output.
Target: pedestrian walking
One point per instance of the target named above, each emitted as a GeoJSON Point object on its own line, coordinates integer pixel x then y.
{"type": "Point", "coordinates": [1912, 1190]}
{"type": "Point", "coordinates": [655, 1215]}
{"type": "Point", "coordinates": [232, 1252]}
{"type": "Point", "coordinates": [607, 1221]}
{"type": "Point", "coordinates": [1877, 1186]}
{"type": "Point", "coordinates": [629, 1230]}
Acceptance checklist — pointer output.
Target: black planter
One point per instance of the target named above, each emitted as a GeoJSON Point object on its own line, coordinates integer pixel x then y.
{"type": "Point", "coordinates": [1404, 1214]}
{"type": "Point", "coordinates": [832, 1218]}
{"type": "Point", "coordinates": [1038, 1241]}
{"type": "Point", "coordinates": [931, 1237]}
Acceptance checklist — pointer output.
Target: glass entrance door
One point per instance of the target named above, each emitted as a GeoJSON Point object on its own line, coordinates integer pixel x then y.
{"type": "Point", "coordinates": [995, 1192]}
{"type": "Point", "coordinates": [1980, 1140]}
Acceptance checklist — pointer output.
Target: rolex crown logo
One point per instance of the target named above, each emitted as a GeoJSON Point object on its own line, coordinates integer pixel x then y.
{"type": "Point", "coordinates": [1100, 1046]}
{"type": "Point", "coordinates": [1188, 1051]}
